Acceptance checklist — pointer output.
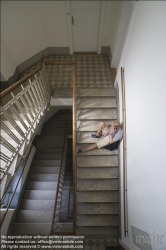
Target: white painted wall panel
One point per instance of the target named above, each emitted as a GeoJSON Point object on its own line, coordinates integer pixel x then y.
{"type": "Point", "coordinates": [112, 16]}
{"type": "Point", "coordinates": [143, 59]}
{"type": "Point", "coordinates": [28, 27]}
{"type": "Point", "coordinates": [53, 14]}
{"type": "Point", "coordinates": [22, 29]}
{"type": "Point", "coordinates": [8, 64]}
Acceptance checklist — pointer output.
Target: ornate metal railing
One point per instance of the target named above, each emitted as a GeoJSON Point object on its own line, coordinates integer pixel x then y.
{"type": "Point", "coordinates": [22, 109]}
{"type": "Point", "coordinates": [23, 106]}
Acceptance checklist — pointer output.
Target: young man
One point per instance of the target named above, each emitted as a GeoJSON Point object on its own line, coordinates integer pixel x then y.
{"type": "Point", "coordinates": [106, 136]}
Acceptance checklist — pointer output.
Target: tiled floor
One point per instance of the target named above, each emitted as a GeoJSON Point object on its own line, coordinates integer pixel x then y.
{"type": "Point", "coordinates": [92, 71]}
{"type": "Point", "coordinates": [98, 244]}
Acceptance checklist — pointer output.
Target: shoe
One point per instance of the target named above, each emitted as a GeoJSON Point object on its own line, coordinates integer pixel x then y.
{"type": "Point", "coordinates": [79, 151]}
{"type": "Point", "coordinates": [94, 136]}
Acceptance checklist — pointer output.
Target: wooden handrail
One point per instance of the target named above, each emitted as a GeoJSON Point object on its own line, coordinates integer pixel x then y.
{"type": "Point", "coordinates": [56, 198]}
{"type": "Point", "coordinates": [74, 149]}
{"type": "Point", "coordinates": [124, 152]}
{"type": "Point", "coordinates": [21, 81]}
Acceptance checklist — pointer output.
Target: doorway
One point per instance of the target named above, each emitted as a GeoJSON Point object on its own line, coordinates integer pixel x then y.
{"type": "Point", "coordinates": [85, 17]}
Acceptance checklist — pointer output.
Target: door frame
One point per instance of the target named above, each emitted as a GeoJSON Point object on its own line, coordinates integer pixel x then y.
{"type": "Point", "coordinates": [101, 25]}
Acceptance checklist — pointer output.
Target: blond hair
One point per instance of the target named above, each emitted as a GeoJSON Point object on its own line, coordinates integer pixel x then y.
{"type": "Point", "coordinates": [116, 124]}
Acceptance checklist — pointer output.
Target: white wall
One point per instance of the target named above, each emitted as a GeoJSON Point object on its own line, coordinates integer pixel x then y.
{"type": "Point", "coordinates": [27, 27]}
{"type": "Point", "coordinates": [144, 61]}
{"type": "Point", "coordinates": [8, 64]}
{"type": "Point", "coordinates": [112, 16]}
{"type": "Point", "coordinates": [54, 21]}
{"type": "Point", "coordinates": [124, 15]}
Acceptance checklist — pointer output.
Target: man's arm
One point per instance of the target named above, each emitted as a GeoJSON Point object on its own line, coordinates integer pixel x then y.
{"type": "Point", "coordinates": [109, 130]}
{"type": "Point", "coordinates": [111, 138]}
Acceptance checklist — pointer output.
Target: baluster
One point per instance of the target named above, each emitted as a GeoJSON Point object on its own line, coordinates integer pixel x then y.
{"type": "Point", "coordinates": [43, 85]}
{"type": "Point", "coordinates": [38, 79]}
{"type": "Point", "coordinates": [9, 132]}
{"type": "Point", "coordinates": [35, 92]}
{"type": "Point", "coordinates": [17, 103]}
{"type": "Point", "coordinates": [26, 106]}
{"type": "Point", "coordinates": [5, 157]}
{"type": "Point", "coordinates": [10, 147]}
{"type": "Point", "coordinates": [18, 117]}
{"type": "Point", "coordinates": [29, 99]}
{"type": "Point", "coordinates": [33, 97]}
{"type": "Point", "coordinates": [13, 123]}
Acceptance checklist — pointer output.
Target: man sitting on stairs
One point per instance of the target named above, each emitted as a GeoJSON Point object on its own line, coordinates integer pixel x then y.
{"type": "Point", "coordinates": [105, 135]}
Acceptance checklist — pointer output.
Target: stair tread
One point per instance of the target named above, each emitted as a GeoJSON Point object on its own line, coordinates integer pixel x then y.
{"type": "Point", "coordinates": [38, 216]}
{"type": "Point", "coordinates": [44, 177]}
{"type": "Point", "coordinates": [39, 194]}
{"type": "Point", "coordinates": [97, 184]}
{"type": "Point", "coordinates": [91, 125]}
{"type": "Point", "coordinates": [47, 156]}
{"type": "Point", "coordinates": [97, 172]}
{"type": "Point", "coordinates": [97, 152]}
{"type": "Point", "coordinates": [93, 114]}
{"type": "Point", "coordinates": [96, 161]}
{"type": "Point", "coordinates": [96, 196]}
{"type": "Point", "coordinates": [96, 102]}
{"type": "Point", "coordinates": [31, 228]}
{"type": "Point", "coordinates": [46, 170]}
{"type": "Point", "coordinates": [37, 204]}
{"type": "Point", "coordinates": [96, 92]}
{"type": "Point", "coordinates": [97, 220]}
{"type": "Point", "coordinates": [36, 185]}
{"type": "Point", "coordinates": [97, 208]}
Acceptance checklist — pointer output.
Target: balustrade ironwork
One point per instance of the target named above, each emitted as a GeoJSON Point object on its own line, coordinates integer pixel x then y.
{"type": "Point", "coordinates": [23, 106]}
{"type": "Point", "coordinates": [21, 113]}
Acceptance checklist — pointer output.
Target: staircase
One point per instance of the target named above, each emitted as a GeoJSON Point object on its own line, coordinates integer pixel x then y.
{"type": "Point", "coordinates": [35, 213]}
{"type": "Point", "coordinates": [97, 171]}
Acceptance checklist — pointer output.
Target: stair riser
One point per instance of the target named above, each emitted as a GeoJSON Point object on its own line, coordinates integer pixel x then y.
{"type": "Point", "coordinates": [40, 195]}
{"type": "Point", "coordinates": [90, 126]}
{"type": "Point", "coordinates": [96, 92]}
{"type": "Point", "coordinates": [32, 228]}
{"type": "Point", "coordinates": [96, 114]}
{"type": "Point", "coordinates": [97, 208]}
{"type": "Point", "coordinates": [109, 184]}
{"type": "Point", "coordinates": [97, 220]}
{"type": "Point", "coordinates": [37, 205]}
{"type": "Point", "coordinates": [49, 150]}
{"type": "Point", "coordinates": [97, 173]}
{"type": "Point", "coordinates": [46, 170]}
{"type": "Point", "coordinates": [96, 161]}
{"type": "Point", "coordinates": [102, 196]}
{"type": "Point", "coordinates": [96, 102]}
{"type": "Point", "coordinates": [32, 216]}
{"type": "Point", "coordinates": [48, 156]}
{"type": "Point", "coordinates": [44, 177]}
{"type": "Point", "coordinates": [51, 163]}
{"type": "Point", "coordinates": [34, 185]}
{"type": "Point", "coordinates": [98, 232]}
